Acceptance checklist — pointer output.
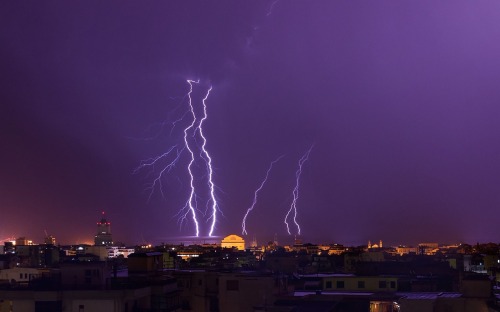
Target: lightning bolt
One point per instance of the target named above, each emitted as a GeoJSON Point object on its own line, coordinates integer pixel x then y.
{"type": "Point", "coordinates": [293, 206]}
{"type": "Point", "coordinates": [152, 162]}
{"type": "Point", "coordinates": [243, 224]}
{"type": "Point", "coordinates": [191, 202]}
{"type": "Point", "coordinates": [206, 156]}
{"type": "Point", "coordinates": [270, 11]}
{"type": "Point", "coordinates": [167, 161]}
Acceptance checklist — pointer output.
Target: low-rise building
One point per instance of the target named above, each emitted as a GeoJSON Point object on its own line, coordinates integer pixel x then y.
{"type": "Point", "coordinates": [19, 275]}
{"type": "Point", "coordinates": [145, 262]}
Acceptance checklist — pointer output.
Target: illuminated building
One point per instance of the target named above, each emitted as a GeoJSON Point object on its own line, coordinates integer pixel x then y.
{"type": "Point", "coordinates": [404, 250]}
{"type": "Point", "coordinates": [370, 246]}
{"type": "Point", "coordinates": [114, 251]}
{"type": "Point", "coordinates": [254, 242]}
{"type": "Point", "coordinates": [50, 240]}
{"type": "Point", "coordinates": [428, 248]}
{"type": "Point", "coordinates": [23, 241]}
{"type": "Point", "coordinates": [103, 236]}
{"type": "Point", "coordinates": [233, 241]}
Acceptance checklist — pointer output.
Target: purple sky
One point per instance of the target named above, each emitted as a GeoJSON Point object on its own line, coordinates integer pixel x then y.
{"type": "Point", "coordinates": [400, 98]}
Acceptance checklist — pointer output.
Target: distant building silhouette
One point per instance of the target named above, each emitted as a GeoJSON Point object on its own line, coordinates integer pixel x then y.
{"type": "Point", "coordinates": [254, 242]}
{"type": "Point", "coordinates": [49, 240]}
{"type": "Point", "coordinates": [103, 236]}
{"type": "Point", "coordinates": [370, 245]}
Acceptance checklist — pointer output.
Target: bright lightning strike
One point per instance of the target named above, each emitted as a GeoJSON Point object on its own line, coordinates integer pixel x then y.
{"type": "Point", "coordinates": [206, 156]}
{"type": "Point", "coordinates": [195, 144]}
{"type": "Point", "coordinates": [243, 224]}
{"type": "Point", "coordinates": [293, 206]}
{"type": "Point", "coordinates": [191, 202]}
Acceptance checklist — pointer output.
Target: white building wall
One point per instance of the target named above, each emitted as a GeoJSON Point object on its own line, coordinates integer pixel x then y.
{"type": "Point", "coordinates": [19, 275]}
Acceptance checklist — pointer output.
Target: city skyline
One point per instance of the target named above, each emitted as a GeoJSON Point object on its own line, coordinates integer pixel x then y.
{"type": "Point", "coordinates": [399, 100]}
{"type": "Point", "coordinates": [102, 236]}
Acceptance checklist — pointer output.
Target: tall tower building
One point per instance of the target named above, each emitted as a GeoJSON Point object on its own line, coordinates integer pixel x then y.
{"type": "Point", "coordinates": [103, 236]}
{"type": "Point", "coordinates": [254, 242]}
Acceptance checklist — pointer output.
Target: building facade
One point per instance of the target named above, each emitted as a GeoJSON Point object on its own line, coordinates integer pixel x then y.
{"type": "Point", "coordinates": [233, 240]}
{"type": "Point", "coordinates": [103, 236]}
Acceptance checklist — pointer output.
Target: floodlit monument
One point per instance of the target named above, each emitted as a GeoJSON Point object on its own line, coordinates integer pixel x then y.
{"type": "Point", "coordinates": [233, 241]}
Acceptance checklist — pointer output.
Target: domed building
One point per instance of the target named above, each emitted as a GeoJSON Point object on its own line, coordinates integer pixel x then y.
{"type": "Point", "coordinates": [233, 240]}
